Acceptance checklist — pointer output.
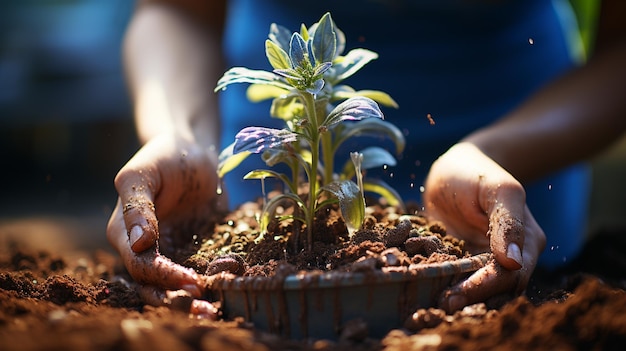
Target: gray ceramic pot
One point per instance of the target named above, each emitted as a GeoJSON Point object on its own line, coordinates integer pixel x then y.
{"type": "Point", "coordinates": [319, 305]}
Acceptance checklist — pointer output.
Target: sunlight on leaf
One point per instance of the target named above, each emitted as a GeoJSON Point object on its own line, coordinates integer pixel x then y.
{"type": "Point", "coordinates": [245, 75]}
{"type": "Point", "coordinates": [269, 210]}
{"type": "Point", "coordinates": [258, 139]}
{"type": "Point", "coordinates": [229, 160]}
{"type": "Point", "coordinates": [280, 35]}
{"type": "Point", "coordinates": [261, 92]}
{"type": "Point", "coordinates": [373, 157]}
{"type": "Point", "coordinates": [351, 203]}
{"type": "Point", "coordinates": [277, 57]}
{"type": "Point", "coordinates": [353, 109]}
{"type": "Point", "coordinates": [324, 40]}
{"type": "Point", "coordinates": [343, 92]}
{"type": "Point", "coordinates": [347, 65]}
{"type": "Point", "coordinates": [371, 127]}
{"type": "Point", "coordinates": [384, 190]}
{"type": "Point", "coordinates": [297, 51]}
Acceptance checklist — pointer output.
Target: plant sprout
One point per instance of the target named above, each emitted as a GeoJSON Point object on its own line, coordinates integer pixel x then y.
{"type": "Point", "coordinates": [320, 114]}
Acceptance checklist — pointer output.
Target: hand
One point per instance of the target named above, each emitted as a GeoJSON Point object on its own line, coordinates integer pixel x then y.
{"type": "Point", "coordinates": [481, 203]}
{"type": "Point", "coordinates": [167, 192]}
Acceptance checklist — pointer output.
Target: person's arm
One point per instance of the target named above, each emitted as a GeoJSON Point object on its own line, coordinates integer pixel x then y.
{"type": "Point", "coordinates": [571, 119]}
{"type": "Point", "coordinates": [172, 57]}
{"type": "Point", "coordinates": [476, 188]}
{"type": "Point", "coordinates": [167, 190]}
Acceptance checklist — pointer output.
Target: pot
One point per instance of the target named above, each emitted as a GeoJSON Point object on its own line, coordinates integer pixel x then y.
{"type": "Point", "coordinates": [321, 304]}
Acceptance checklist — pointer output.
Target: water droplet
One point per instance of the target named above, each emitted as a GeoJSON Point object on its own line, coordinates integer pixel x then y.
{"type": "Point", "coordinates": [412, 185]}
{"type": "Point", "coordinates": [422, 189]}
{"type": "Point", "coordinates": [219, 189]}
{"type": "Point", "coordinates": [549, 186]}
{"type": "Point", "coordinates": [385, 167]}
{"type": "Point", "coordinates": [531, 41]}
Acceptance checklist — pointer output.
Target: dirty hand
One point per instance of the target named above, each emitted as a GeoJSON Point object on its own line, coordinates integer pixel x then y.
{"type": "Point", "coordinates": [167, 189]}
{"type": "Point", "coordinates": [481, 203]}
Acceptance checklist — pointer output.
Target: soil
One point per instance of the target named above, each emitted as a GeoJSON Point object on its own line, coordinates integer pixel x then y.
{"type": "Point", "coordinates": [74, 300]}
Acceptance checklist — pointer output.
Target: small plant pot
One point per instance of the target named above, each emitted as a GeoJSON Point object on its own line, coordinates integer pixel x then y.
{"type": "Point", "coordinates": [320, 305]}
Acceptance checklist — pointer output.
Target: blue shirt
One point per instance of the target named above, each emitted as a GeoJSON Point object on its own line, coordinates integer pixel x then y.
{"type": "Point", "coordinates": [466, 63]}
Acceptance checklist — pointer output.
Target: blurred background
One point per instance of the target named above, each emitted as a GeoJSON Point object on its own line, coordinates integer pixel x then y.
{"type": "Point", "coordinates": [65, 117]}
{"type": "Point", "coordinates": [66, 124]}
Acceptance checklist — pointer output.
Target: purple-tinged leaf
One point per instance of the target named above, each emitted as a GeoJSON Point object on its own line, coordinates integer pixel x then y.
{"type": "Point", "coordinates": [259, 139]}
{"type": "Point", "coordinates": [353, 109]}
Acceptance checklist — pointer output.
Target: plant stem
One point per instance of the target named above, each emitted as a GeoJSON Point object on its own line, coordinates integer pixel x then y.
{"type": "Point", "coordinates": [309, 103]}
{"type": "Point", "coordinates": [328, 157]}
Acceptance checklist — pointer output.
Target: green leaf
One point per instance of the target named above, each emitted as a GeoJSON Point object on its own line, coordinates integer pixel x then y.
{"type": "Point", "coordinates": [286, 108]}
{"type": "Point", "coordinates": [346, 66]}
{"type": "Point", "coordinates": [373, 127]}
{"type": "Point", "coordinates": [343, 92]}
{"type": "Point", "coordinates": [278, 58]}
{"type": "Point", "coordinates": [384, 190]}
{"type": "Point", "coordinates": [373, 157]}
{"type": "Point", "coordinates": [298, 52]}
{"type": "Point", "coordinates": [351, 202]}
{"type": "Point", "coordinates": [324, 43]}
{"type": "Point", "coordinates": [353, 109]}
{"type": "Point", "coordinates": [266, 173]}
{"type": "Point", "coordinates": [269, 210]}
{"type": "Point", "coordinates": [229, 160]}
{"type": "Point", "coordinates": [245, 75]}
{"type": "Point", "coordinates": [280, 35]}
{"type": "Point", "coordinates": [260, 92]}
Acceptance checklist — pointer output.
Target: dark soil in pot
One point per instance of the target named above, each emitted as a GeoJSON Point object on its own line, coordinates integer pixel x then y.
{"type": "Point", "coordinates": [377, 277]}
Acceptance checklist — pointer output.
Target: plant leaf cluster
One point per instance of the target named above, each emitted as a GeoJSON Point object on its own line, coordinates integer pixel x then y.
{"type": "Point", "coordinates": [320, 114]}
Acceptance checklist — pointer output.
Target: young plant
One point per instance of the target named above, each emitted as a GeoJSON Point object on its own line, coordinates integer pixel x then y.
{"type": "Point", "coordinates": [304, 85]}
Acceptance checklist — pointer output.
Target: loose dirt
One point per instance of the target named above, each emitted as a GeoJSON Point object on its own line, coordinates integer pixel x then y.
{"type": "Point", "coordinates": [85, 301]}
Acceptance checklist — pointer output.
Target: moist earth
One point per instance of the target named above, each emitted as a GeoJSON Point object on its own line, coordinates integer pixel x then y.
{"type": "Point", "coordinates": [86, 300]}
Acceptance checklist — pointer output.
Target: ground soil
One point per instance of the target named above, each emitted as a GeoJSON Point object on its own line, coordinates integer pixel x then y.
{"type": "Point", "coordinates": [74, 300]}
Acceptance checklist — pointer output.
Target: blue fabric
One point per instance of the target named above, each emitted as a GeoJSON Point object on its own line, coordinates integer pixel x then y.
{"type": "Point", "coordinates": [466, 63]}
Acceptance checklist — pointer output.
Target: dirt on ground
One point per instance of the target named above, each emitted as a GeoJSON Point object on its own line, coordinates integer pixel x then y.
{"type": "Point", "coordinates": [76, 300]}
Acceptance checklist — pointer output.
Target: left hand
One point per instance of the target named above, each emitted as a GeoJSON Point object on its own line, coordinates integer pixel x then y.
{"type": "Point", "coordinates": [483, 204]}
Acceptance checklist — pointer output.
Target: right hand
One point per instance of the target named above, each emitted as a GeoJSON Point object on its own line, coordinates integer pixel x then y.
{"type": "Point", "coordinates": [481, 203]}
{"type": "Point", "coordinates": [167, 193]}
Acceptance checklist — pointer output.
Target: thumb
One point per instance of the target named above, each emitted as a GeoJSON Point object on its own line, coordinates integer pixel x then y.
{"type": "Point", "coordinates": [506, 225]}
{"type": "Point", "coordinates": [136, 186]}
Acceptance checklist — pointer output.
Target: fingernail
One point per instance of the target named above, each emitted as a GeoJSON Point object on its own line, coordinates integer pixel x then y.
{"type": "Point", "coordinates": [135, 234]}
{"type": "Point", "coordinates": [192, 289]}
{"type": "Point", "coordinates": [456, 302]}
{"type": "Point", "coordinates": [513, 252]}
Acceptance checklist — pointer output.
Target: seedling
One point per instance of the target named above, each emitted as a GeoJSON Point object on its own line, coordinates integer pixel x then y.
{"type": "Point", "coordinates": [305, 86]}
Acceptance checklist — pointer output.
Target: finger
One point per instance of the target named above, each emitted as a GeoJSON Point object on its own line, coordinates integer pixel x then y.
{"type": "Point", "coordinates": [179, 300]}
{"type": "Point", "coordinates": [506, 211]}
{"type": "Point", "coordinates": [137, 185]}
{"type": "Point", "coordinates": [489, 281]}
{"type": "Point", "coordinates": [493, 279]}
{"type": "Point", "coordinates": [149, 267]}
